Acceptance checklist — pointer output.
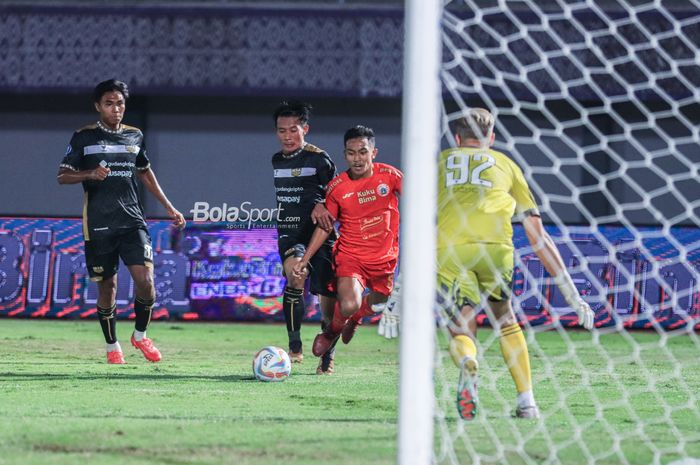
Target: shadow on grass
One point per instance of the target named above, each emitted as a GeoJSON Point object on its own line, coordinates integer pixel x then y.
{"type": "Point", "coordinates": [117, 375]}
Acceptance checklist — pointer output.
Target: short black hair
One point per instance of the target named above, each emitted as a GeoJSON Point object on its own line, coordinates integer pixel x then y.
{"type": "Point", "coordinates": [358, 132]}
{"type": "Point", "coordinates": [108, 86]}
{"type": "Point", "coordinates": [296, 108]}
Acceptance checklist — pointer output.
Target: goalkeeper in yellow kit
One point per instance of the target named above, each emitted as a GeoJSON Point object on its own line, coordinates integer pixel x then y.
{"type": "Point", "coordinates": [480, 190]}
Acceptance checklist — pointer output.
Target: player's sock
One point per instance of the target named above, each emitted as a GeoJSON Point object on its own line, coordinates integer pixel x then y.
{"type": "Point", "coordinates": [142, 309]}
{"type": "Point", "coordinates": [462, 346]}
{"type": "Point", "coordinates": [293, 306]}
{"type": "Point", "coordinates": [108, 322]}
{"type": "Point", "coordinates": [139, 335]}
{"type": "Point", "coordinates": [338, 320]}
{"type": "Point", "coordinates": [365, 310]}
{"type": "Point", "coordinates": [294, 341]}
{"type": "Point", "coordinates": [526, 399]}
{"type": "Point", "coordinates": [515, 354]}
{"type": "Point", "coordinates": [113, 347]}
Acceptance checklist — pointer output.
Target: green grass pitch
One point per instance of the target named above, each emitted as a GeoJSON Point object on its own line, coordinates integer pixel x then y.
{"type": "Point", "coordinates": [60, 403]}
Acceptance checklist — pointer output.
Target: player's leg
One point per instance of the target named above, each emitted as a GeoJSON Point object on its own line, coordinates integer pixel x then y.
{"type": "Point", "coordinates": [326, 363]}
{"type": "Point", "coordinates": [462, 329]}
{"type": "Point", "coordinates": [458, 295]}
{"type": "Point", "coordinates": [350, 292]}
{"type": "Point", "coordinates": [349, 295]}
{"type": "Point", "coordinates": [137, 253]}
{"type": "Point", "coordinates": [293, 303]}
{"type": "Point", "coordinates": [380, 279]}
{"type": "Point", "coordinates": [322, 284]}
{"type": "Point", "coordinates": [516, 356]}
{"type": "Point", "coordinates": [107, 314]}
{"type": "Point", "coordinates": [349, 287]}
{"type": "Point", "coordinates": [372, 303]}
{"type": "Point", "coordinates": [499, 259]}
{"type": "Point", "coordinates": [143, 307]}
{"type": "Point", "coordinates": [464, 354]}
{"type": "Point", "coordinates": [102, 261]}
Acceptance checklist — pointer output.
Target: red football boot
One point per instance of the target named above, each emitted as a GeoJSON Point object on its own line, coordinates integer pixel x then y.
{"type": "Point", "coordinates": [146, 347]}
{"type": "Point", "coordinates": [349, 329]}
{"type": "Point", "coordinates": [467, 397]}
{"type": "Point", "coordinates": [323, 341]}
{"type": "Point", "coordinates": [115, 357]}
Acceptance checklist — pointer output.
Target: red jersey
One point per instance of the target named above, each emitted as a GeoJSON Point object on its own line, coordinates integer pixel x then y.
{"type": "Point", "coordinates": [368, 212]}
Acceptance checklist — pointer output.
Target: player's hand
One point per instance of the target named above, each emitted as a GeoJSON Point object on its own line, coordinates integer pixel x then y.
{"type": "Point", "coordinates": [322, 218]}
{"type": "Point", "coordinates": [177, 217]}
{"type": "Point", "coordinates": [299, 269]}
{"type": "Point", "coordinates": [99, 174]}
{"type": "Point", "coordinates": [584, 312]}
{"type": "Point", "coordinates": [389, 323]}
{"type": "Point", "coordinates": [574, 300]}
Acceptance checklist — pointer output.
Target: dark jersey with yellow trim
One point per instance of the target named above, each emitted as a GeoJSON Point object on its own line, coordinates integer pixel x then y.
{"type": "Point", "coordinates": [300, 183]}
{"type": "Point", "coordinates": [110, 206]}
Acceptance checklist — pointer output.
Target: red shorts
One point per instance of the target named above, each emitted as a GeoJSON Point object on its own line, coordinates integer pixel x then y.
{"type": "Point", "coordinates": [378, 277]}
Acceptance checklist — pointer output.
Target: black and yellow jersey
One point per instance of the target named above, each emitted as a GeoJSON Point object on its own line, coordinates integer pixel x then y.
{"type": "Point", "coordinates": [110, 206]}
{"type": "Point", "coordinates": [300, 183]}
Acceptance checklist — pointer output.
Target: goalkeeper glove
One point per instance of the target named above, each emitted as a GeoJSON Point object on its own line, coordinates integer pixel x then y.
{"type": "Point", "coordinates": [389, 323]}
{"type": "Point", "coordinates": [574, 300]}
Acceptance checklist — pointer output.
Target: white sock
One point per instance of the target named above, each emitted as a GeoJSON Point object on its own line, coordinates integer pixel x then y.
{"type": "Point", "coordinates": [138, 335]}
{"type": "Point", "coordinates": [114, 347]}
{"type": "Point", "coordinates": [526, 399]}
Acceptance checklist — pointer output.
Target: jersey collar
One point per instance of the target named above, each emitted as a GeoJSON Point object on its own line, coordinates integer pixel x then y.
{"type": "Point", "coordinates": [294, 153]}
{"type": "Point", "coordinates": [110, 131]}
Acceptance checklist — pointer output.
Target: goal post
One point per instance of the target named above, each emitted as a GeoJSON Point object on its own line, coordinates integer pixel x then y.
{"type": "Point", "coordinates": [420, 144]}
{"type": "Point", "coordinates": [598, 103]}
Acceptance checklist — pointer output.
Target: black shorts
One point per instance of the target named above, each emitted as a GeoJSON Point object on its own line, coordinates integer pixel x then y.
{"type": "Point", "coordinates": [320, 266]}
{"type": "Point", "coordinates": [102, 254]}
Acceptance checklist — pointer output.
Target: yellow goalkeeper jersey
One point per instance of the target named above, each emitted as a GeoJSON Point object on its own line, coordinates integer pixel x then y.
{"type": "Point", "coordinates": [479, 191]}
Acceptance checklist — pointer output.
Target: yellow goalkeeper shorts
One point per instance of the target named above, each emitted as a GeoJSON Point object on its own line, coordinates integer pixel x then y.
{"type": "Point", "coordinates": [468, 271]}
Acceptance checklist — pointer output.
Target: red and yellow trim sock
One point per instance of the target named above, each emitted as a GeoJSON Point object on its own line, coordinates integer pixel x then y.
{"type": "Point", "coordinates": [516, 356]}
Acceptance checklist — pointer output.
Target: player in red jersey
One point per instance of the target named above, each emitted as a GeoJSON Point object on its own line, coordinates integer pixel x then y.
{"type": "Point", "coordinates": [364, 200]}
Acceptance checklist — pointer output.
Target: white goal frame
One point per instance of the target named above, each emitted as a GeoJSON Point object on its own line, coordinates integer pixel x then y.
{"type": "Point", "coordinates": [420, 146]}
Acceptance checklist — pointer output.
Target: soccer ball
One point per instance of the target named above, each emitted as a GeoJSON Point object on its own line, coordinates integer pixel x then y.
{"type": "Point", "coordinates": [271, 364]}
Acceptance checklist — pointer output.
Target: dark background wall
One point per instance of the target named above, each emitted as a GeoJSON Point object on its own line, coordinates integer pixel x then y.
{"type": "Point", "coordinates": [205, 77]}
{"type": "Point", "coordinates": [213, 149]}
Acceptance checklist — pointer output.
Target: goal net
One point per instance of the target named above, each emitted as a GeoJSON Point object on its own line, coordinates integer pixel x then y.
{"type": "Point", "coordinates": [598, 102]}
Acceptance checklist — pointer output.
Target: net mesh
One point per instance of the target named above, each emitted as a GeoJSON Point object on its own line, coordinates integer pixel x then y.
{"type": "Point", "coordinates": [597, 102]}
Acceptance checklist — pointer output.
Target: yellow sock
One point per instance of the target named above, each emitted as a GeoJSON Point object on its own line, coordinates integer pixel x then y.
{"type": "Point", "coordinates": [515, 354]}
{"type": "Point", "coordinates": [460, 347]}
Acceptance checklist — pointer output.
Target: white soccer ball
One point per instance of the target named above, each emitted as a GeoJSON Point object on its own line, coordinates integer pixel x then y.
{"type": "Point", "coordinates": [272, 364]}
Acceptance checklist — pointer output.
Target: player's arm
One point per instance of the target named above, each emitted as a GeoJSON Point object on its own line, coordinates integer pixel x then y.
{"type": "Point", "coordinates": [148, 178]}
{"type": "Point", "coordinates": [544, 247]}
{"type": "Point", "coordinates": [549, 255]}
{"type": "Point", "coordinates": [317, 239]}
{"type": "Point", "coordinates": [321, 217]}
{"type": "Point", "coordinates": [69, 171]}
{"type": "Point", "coordinates": [70, 176]}
{"type": "Point", "coordinates": [320, 214]}
{"type": "Point", "coordinates": [398, 183]}
{"type": "Point", "coordinates": [319, 236]}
